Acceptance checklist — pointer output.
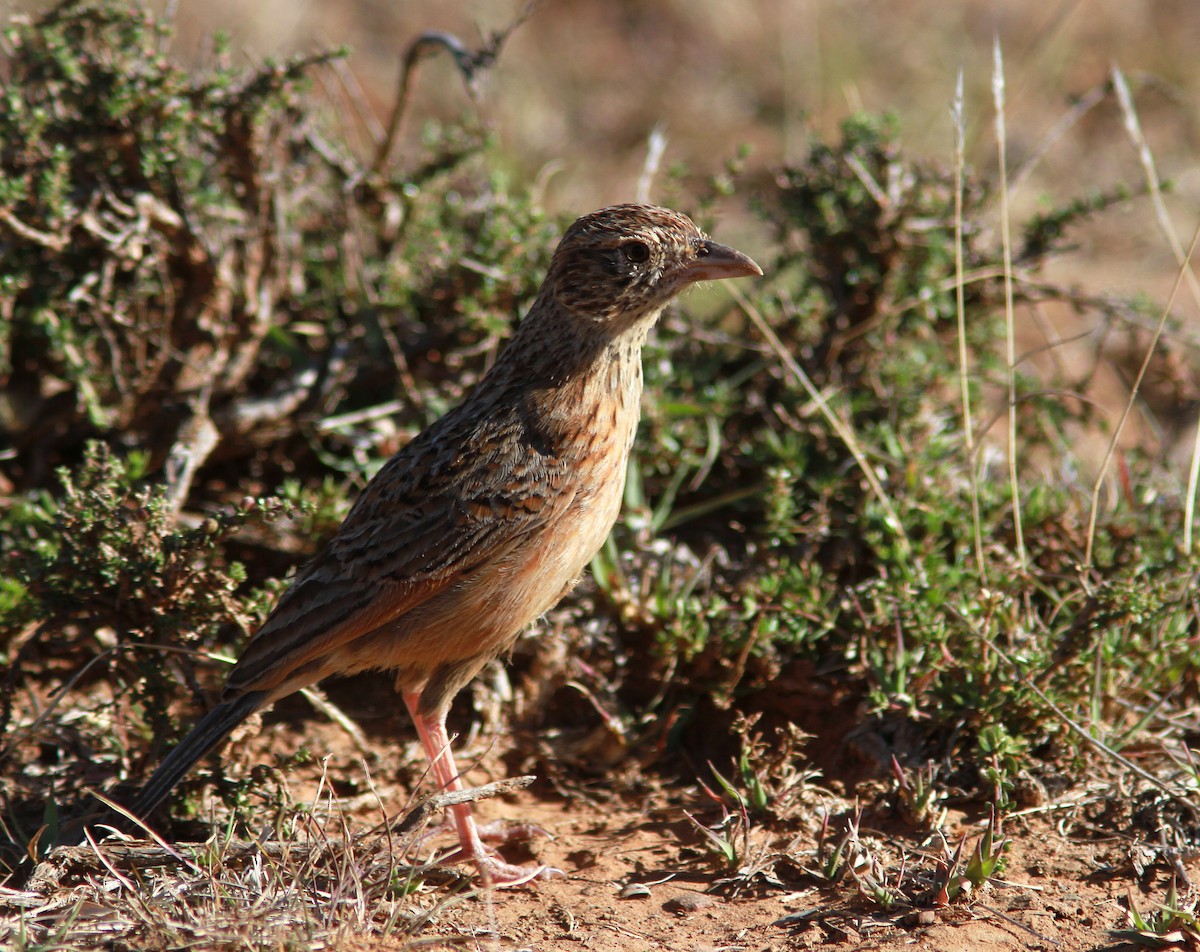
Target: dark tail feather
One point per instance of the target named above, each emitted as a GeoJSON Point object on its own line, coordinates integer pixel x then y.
{"type": "Point", "coordinates": [213, 728]}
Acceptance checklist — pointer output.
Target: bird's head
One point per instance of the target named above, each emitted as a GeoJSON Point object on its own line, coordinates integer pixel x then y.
{"type": "Point", "coordinates": [618, 267]}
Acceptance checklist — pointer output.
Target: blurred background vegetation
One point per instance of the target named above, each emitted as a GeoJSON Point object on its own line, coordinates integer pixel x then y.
{"type": "Point", "coordinates": [223, 307]}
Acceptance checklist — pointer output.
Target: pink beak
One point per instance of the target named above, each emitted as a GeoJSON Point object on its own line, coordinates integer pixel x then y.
{"type": "Point", "coordinates": [715, 261]}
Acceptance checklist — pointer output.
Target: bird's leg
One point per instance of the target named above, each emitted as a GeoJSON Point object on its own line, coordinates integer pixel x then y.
{"type": "Point", "coordinates": [492, 870]}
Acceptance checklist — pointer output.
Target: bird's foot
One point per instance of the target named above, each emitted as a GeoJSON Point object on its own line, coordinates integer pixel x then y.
{"type": "Point", "coordinates": [502, 833]}
{"type": "Point", "coordinates": [493, 871]}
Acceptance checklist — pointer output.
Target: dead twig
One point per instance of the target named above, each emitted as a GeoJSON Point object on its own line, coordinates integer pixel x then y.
{"type": "Point", "coordinates": [471, 64]}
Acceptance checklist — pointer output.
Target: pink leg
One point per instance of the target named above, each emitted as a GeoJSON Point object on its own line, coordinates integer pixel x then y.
{"type": "Point", "coordinates": [493, 871]}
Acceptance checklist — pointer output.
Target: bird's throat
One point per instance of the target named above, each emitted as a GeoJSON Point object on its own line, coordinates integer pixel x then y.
{"type": "Point", "coordinates": [607, 394]}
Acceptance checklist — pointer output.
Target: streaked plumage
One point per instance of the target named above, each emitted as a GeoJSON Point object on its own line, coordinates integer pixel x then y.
{"type": "Point", "coordinates": [488, 517]}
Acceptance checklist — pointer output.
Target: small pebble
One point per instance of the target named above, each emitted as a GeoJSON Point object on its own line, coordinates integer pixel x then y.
{"type": "Point", "coordinates": [688, 903]}
{"type": "Point", "coordinates": [921, 917]}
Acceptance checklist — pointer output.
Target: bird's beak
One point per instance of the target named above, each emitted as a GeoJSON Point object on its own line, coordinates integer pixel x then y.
{"type": "Point", "coordinates": [714, 261]}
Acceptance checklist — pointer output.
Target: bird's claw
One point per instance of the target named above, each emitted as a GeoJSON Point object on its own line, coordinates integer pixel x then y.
{"type": "Point", "coordinates": [502, 875]}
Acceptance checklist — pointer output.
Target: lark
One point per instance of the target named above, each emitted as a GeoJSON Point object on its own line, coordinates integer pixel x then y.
{"type": "Point", "coordinates": [485, 520]}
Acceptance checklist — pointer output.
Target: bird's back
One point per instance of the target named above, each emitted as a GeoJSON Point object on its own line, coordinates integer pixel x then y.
{"type": "Point", "coordinates": [463, 538]}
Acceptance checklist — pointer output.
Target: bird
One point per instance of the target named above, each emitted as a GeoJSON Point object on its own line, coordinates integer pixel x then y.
{"type": "Point", "coordinates": [487, 518]}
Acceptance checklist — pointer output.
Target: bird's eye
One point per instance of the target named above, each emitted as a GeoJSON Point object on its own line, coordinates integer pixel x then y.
{"type": "Point", "coordinates": [636, 252]}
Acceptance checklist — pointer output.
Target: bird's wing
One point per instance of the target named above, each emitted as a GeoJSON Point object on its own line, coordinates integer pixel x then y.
{"type": "Point", "coordinates": [460, 496]}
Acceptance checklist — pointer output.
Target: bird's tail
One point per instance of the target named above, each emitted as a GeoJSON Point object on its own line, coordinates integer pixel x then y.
{"type": "Point", "coordinates": [213, 728]}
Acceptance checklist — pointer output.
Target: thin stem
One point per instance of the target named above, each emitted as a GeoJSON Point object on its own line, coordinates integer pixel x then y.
{"type": "Point", "coordinates": [839, 427]}
{"type": "Point", "coordinates": [1133, 395]}
{"type": "Point", "coordinates": [957, 115]}
{"type": "Point", "coordinates": [1009, 322]}
{"type": "Point", "coordinates": [1133, 128]}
